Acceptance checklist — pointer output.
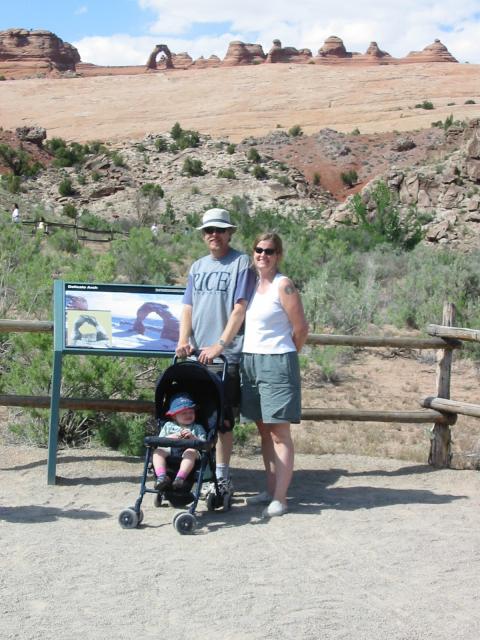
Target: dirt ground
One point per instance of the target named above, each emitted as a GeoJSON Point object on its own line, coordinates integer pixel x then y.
{"type": "Point", "coordinates": [370, 549]}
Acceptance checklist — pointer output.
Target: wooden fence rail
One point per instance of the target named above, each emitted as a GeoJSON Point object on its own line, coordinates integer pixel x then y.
{"type": "Point", "coordinates": [440, 410]}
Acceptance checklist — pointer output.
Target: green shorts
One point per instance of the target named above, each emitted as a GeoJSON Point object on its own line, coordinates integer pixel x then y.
{"type": "Point", "coordinates": [270, 387]}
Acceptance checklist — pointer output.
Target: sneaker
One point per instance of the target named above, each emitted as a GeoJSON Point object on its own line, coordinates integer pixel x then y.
{"type": "Point", "coordinates": [275, 508]}
{"type": "Point", "coordinates": [225, 485]}
{"type": "Point", "coordinates": [162, 482]}
{"type": "Point", "coordinates": [259, 498]}
{"type": "Point", "coordinates": [178, 484]}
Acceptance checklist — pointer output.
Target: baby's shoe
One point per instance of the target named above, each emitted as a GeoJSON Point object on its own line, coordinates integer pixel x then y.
{"type": "Point", "coordinates": [162, 482]}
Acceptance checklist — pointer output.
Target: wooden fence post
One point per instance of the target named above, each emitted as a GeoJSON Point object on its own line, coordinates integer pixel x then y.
{"type": "Point", "coordinates": [440, 444]}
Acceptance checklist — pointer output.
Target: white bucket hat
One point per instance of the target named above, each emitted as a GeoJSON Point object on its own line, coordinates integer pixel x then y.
{"type": "Point", "coordinates": [216, 218]}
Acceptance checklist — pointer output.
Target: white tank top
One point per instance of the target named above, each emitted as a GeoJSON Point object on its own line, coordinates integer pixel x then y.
{"type": "Point", "coordinates": [267, 327]}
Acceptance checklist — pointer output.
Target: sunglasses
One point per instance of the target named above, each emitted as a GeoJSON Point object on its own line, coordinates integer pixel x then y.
{"type": "Point", "coordinates": [267, 252]}
{"type": "Point", "coordinates": [210, 230]}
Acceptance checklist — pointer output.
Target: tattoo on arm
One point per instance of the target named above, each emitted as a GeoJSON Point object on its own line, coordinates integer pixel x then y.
{"type": "Point", "coordinates": [289, 289]}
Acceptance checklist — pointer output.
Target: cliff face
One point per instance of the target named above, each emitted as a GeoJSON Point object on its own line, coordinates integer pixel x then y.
{"type": "Point", "coordinates": [24, 53]}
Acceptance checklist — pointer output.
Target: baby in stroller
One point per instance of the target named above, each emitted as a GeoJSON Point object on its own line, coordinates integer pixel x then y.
{"type": "Point", "coordinates": [182, 425]}
{"type": "Point", "coordinates": [188, 410]}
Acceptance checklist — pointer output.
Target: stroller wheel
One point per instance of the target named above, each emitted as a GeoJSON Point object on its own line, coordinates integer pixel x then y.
{"type": "Point", "coordinates": [211, 501]}
{"type": "Point", "coordinates": [184, 523]}
{"type": "Point", "coordinates": [227, 501]}
{"type": "Point", "coordinates": [129, 519]}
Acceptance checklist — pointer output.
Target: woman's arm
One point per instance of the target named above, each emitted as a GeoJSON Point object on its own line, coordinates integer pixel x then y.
{"type": "Point", "coordinates": [292, 304]}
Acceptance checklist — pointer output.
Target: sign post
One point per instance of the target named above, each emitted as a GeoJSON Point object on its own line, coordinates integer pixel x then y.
{"type": "Point", "coordinates": [110, 320]}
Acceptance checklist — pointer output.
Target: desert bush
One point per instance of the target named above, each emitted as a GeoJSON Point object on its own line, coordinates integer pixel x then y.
{"type": "Point", "coordinates": [295, 131]}
{"type": "Point", "coordinates": [227, 173]}
{"type": "Point", "coordinates": [64, 240]}
{"type": "Point", "coordinates": [141, 261]}
{"type": "Point", "coordinates": [65, 188]}
{"type": "Point", "coordinates": [19, 161]}
{"type": "Point", "coordinates": [11, 183]}
{"type": "Point", "coordinates": [149, 189]}
{"type": "Point", "coordinates": [66, 154]}
{"type": "Point", "coordinates": [253, 155]}
{"type": "Point", "coordinates": [81, 179]}
{"type": "Point", "coordinates": [426, 104]}
{"type": "Point", "coordinates": [192, 167]}
{"type": "Point", "coordinates": [117, 159]}
{"type": "Point", "coordinates": [284, 180]}
{"type": "Point", "coordinates": [469, 101]}
{"type": "Point", "coordinates": [161, 144]}
{"type": "Point", "coordinates": [70, 210]}
{"type": "Point", "coordinates": [316, 179]}
{"type": "Point", "coordinates": [349, 177]}
{"type": "Point", "coordinates": [260, 173]}
{"type": "Point", "coordinates": [184, 138]}
{"type": "Point", "coordinates": [231, 148]}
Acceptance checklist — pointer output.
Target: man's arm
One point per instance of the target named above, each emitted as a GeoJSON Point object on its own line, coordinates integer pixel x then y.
{"type": "Point", "coordinates": [232, 327]}
{"type": "Point", "coordinates": [184, 348]}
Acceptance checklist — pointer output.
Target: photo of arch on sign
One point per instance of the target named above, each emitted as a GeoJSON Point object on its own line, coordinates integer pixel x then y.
{"type": "Point", "coordinates": [122, 317]}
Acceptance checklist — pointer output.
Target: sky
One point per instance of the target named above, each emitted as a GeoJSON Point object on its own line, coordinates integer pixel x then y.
{"type": "Point", "coordinates": [124, 32]}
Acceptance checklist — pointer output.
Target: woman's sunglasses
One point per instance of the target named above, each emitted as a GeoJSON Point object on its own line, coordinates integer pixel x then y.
{"type": "Point", "coordinates": [210, 230]}
{"type": "Point", "coordinates": [267, 252]}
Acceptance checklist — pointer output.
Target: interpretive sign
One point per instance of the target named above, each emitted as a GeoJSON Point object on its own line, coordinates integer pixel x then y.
{"type": "Point", "coordinates": [113, 320]}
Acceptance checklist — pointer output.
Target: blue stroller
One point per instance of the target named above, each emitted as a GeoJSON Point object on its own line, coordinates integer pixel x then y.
{"type": "Point", "coordinates": [206, 388]}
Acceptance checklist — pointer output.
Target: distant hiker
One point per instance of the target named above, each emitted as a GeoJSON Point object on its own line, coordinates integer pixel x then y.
{"type": "Point", "coordinates": [15, 214]}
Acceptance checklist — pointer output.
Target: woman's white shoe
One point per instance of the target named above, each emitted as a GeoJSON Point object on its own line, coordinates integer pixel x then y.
{"type": "Point", "coordinates": [275, 508]}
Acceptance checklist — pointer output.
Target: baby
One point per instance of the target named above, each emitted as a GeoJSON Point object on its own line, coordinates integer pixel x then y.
{"type": "Point", "coordinates": [182, 425]}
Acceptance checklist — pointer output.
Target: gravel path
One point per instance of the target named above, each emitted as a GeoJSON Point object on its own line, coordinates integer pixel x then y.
{"type": "Point", "coordinates": [371, 549]}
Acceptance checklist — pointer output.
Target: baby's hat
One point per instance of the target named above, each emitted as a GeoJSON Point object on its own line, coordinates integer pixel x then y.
{"type": "Point", "coordinates": [180, 402]}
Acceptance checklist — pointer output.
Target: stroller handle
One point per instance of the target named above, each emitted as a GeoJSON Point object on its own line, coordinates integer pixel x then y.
{"type": "Point", "coordinates": [220, 357]}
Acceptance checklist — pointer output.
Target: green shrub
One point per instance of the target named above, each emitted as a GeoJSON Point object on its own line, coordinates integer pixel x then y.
{"type": "Point", "coordinates": [149, 189]}
{"type": "Point", "coordinates": [70, 210]}
{"type": "Point", "coordinates": [231, 148]}
{"type": "Point", "coordinates": [260, 173]}
{"type": "Point", "coordinates": [64, 240]}
{"type": "Point", "coordinates": [81, 179]}
{"type": "Point", "coordinates": [66, 155]}
{"type": "Point", "coordinates": [356, 131]}
{"type": "Point", "coordinates": [96, 176]}
{"type": "Point", "coordinates": [316, 179]}
{"type": "Point", "coordinates": [11, 183]}
{"type": "Point", "coordinates": [469, 101]}
{"type": "Point", "coordinates": [65, 188]}
{"type": "Point", "coordinates": [295, 131]}
{"type": "Point", "coordinates": [253, 155]}
{"type": "Point", "coordinates": [184, 138]}
{"type": "Point", "coordinates": [227, 173]}
{"type": "Point", "coordinates": [19, 161]}
{"type": "Point", "coordinates": [2, 78]}
{"type": "Point", "coordinates": [161, 144]}
{"type": "Point", "coordinates": [350, 177]}
{"type": "Point", "coordinates": [426, 104]}
{"type": "Point", "coordinates": [117, 159]}
{"type": "Point", "coordinates": [284, 180]}
{"type": "Point", "coordinates": [192, 167]}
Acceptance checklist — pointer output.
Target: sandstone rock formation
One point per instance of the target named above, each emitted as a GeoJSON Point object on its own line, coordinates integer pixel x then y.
{"type": "Point", "coordinates": [24, 53]}
{"type": "Point", "coordinates": [287, 54]}
{"type": "Point", "coordinates": [182, 60]}
{"type": "Point", "coordinates": [35, 135]}
{"type": "Point", "coordinates": [166, 57]}
{"type": "Point", "coordinates": [240, 53]}
{"type": "Point", "coordinates": [435, 52]}
{"type": "Point", "coordinates": [374, 51]}
{"type": "Point", "coordinates": [333, 47]}
{"type": "Point", "coordinates": [203, 63]}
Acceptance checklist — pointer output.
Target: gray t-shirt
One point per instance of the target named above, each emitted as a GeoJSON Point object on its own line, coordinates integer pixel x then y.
{"type": "Point", "coordinates": [214, 286]}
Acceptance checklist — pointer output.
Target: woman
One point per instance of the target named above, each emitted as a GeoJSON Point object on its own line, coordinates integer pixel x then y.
{"type": "Point", "coordinates": [275, 331]}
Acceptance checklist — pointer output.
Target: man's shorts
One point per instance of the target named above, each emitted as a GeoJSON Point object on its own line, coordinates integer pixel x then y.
{"type": "Point", "coordinates": [270, 387]}
{"type": "Point", "coordinates": [231, 406]}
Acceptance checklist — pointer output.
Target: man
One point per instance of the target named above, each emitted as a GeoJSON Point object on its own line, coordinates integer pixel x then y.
{"type": "Point", "coordinates": [218, 289]}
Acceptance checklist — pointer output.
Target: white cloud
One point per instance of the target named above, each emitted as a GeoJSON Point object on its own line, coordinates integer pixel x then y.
{"type": "Point", "coordinates": [204, 27]}
{"type": "Point", "coordinates": [81, 10]}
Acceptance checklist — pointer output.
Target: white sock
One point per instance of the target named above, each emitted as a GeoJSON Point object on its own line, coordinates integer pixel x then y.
{"type": "Point", "coordinates": [222, 471]}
